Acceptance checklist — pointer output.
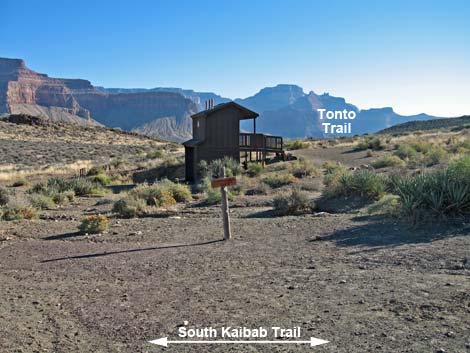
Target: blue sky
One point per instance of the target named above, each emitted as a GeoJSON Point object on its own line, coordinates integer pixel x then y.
{"type": "Point", "coordinates": [411, 55]}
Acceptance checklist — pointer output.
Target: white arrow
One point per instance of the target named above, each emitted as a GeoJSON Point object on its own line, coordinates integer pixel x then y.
{"type": "Point", "coordinates": [164, 342]}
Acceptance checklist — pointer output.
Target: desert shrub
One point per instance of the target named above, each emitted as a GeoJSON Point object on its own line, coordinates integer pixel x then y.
{"type": "Point", "coordinates": [254, 169]}
{"type": "Point", "coordinates": [296, 201]}
{"type": "Point", "coordinates": [61, 198]}
{"type": "Point", "coordinates": [4, 196]}
{"type": "Point", "coordinates": [20, 182]}
{"type": "Point", "coordinates": [42, 202]}
{"type": "Point", "coordinates": [157, 154]}
{"type": "Point", "coordinates": [101, 179]}
{"type": "Point", "coordinates": [420, 146]}
{"type": "Point", "coordinates": [388, 161]}
{"type": "Point", "coordinates": [95, 170]}
{"type": "Point", "coordinates": [303, 168]}
{"type": "Point", "coordinates": [180, 192]}
{"type": "Point", "coordinates": [154, 195]}
{"type": "Point", "coordinates": [372, 143]}
{"type": "Point", "coordinates": [83, 187]}
{"type": "Point", "coordinates": [12, 213]}
{"type": "Point", "coordinates": [333, 171]}
{"type": "Point", "coordinates": [363, 183]}
{"type": "Point", "coordinates": [214, 196]}
{"type": "Point", "coordinates": [204, 185]}
{"type": "Point", "coordinates": [369, 153]}
{"type": "Point", "coordinates": [442, 192]}
{"type": "Point", "coordinates": [387, 204]}
{"type": "Point", "coordinates": [460, 167]}
{"type": "Point", "coordinates": [295, 145]}
{"type": "Point", "coordinates": [405, 151]}
{"type": "Point", "coordinates": [94, 224]}
{"type": "Point", "coordinates": [129, 207]}
{"type": "Point", "coordinates": [277, 167]}
{"type": "Point", "coordinates": [435, 155]}
{"type": "Point", "coordinates": [278, 180]}
{"type": "Point", "coordinates": [214, 168]}
{"type": "Point", "coordinates": [79, 186]}
{"type": "Point", "coordinates": [162, 194]}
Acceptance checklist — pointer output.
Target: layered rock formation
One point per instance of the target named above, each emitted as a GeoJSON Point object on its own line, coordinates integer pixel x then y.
{"type": "Point", "coordinates": [23, 91]}
{"type": "Point", "coordinates": [287, 111]}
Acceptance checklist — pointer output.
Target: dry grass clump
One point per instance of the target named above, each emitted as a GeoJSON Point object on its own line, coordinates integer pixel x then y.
{"type": "Point", "coordinates": [16, 208]}
{"type": "Point", "coordinates": [296, 145]}
{"type": "Point", "coordinates": [302, 168]}
{"type": "Point", "coordinates": [278, 180]}
{"type": "Point", "coordinates": [294, 202]}
{"type": "Point", "coordinates": [370, 142]}
{"type": "Point", "coordinates": [144, 197]}
{"type": "Point", "coordinates": [94, 225]}
{"type": "Point", "coordinates": [388, 161]}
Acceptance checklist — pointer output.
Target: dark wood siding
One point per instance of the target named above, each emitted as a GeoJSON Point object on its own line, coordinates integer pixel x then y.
{"type": "Point", "coordinates": [222, 135]}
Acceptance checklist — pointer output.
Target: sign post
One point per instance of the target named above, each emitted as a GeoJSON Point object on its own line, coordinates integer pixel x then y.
{"type": "Point", "coordinates": [222, 183]}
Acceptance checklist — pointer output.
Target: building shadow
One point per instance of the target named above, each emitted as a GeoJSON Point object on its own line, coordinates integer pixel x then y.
{"type": "Point", "coordinates": [382, 232]}
{"type": "Point", "coordinates": [128, 251]}
{"type": "Point", "coordinates": [63, 236]}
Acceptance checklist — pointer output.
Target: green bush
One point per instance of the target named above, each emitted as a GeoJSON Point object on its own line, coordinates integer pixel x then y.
{"type": "Point", "coordinates": [101, 179]}
{"type": "Point", "coordinates": [333, 171]}
{"type": "Point", "coordinates": [162, 194]}
{"type": "Point", "coordinates": [405, 152]}
{"type": "Point", "coordinates": [388, 161]}
{"type": "Point", "coordinates": [303, 168]}
{"type": "Point", "coordinates": [214, 169]}
{"type": "Point", "coordinates": [443, 192]}
{"type": "Point", "coordinates": [154, 195]}
{"type": "Point", "coordinates": [363, 183]}
{"type": "Point", "coordinates": [4, 197]}
{"type": "Point", "coordinates": [387, 204]}
{"type": "Point", "coordinates": [435, 155]}
{"type": "Point", "coordinates": [14, 213]}
{"type": "Point", "coordinates": [129, 207]}
{"type": "Point", "coordinates": [254, 169]}
{"type": "Point", "coordinates": [78, 186]}
{"type": "Point", "coordinates": [295, 145]}
{"type": "Point", "coordinates": [214, 196]}
{"type": "Point", "coordinates": [294, 202]}
{"type": "Point", "coordinates": [157, 154]}
{"type": "Point", "coordinates": [180, 192]}
{"type": "Point", "coordinates": [372, 143]}
{"type": "Point", "coordinates": [95, 170]}
{"type": "Point", "coordinates": [278, 180]}
{"type": "Point", "coordinates": [94, 225]}
{"type": "Point", "coordinates": [42, 202]}
{"type": "Point", "coordinates": [61, 198]}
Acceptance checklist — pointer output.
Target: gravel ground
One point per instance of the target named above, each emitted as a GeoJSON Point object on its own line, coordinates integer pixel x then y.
{"type": "Point", "coordinates": [365, 284]}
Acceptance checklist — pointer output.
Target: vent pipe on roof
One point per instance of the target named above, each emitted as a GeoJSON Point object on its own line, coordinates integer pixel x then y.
{"type": "Point", "coordinates": [209, 104]}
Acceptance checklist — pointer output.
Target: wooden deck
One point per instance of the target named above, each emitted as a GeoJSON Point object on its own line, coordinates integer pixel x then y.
{"type": "Point", "coordinates": [260, 142]}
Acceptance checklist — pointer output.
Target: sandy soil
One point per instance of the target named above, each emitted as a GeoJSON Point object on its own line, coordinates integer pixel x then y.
{"type": "Point", "coordinates": [365, 284]}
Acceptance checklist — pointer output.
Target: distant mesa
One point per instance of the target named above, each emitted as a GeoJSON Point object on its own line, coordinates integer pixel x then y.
{"type": "Point", "coordinates": [164, 112]}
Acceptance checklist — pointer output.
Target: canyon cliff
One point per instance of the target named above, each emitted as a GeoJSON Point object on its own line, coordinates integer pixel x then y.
{"type": "Point", "coordinates": [24, 91]}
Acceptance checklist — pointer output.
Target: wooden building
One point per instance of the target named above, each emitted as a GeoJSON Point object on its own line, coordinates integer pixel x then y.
{"type": "Point", "coordinates": [216, 134]}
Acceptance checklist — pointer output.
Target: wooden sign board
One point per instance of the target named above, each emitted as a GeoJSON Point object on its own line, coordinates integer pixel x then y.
{"type": "Point", "coordinates": [223, 182]}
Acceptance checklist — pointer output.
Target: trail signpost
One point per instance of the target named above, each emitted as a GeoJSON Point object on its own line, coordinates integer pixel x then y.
{"type": "Point", "coordinates": [223, 183]}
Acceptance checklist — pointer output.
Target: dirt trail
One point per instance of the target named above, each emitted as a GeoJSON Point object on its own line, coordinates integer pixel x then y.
{"type": "Point", "coordinates": [365, 284]}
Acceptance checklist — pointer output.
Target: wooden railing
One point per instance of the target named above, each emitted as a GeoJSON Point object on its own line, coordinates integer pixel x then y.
{"type": "Point", "coordinates": [261, 142]}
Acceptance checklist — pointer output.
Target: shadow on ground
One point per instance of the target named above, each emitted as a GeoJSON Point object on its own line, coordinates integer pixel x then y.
{"type": "Point", "coordinates": [381, 232]}
{"type": "Point", "coordinates": [127, 251]}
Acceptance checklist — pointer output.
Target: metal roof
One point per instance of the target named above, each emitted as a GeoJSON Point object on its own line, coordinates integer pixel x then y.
{"type": "Point", "coordinates": [192, 142]}
{"type": "Point", "coordinates": [246, 113]}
